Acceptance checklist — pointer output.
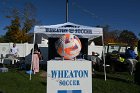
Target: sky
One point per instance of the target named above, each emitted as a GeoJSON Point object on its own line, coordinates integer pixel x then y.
{"type": "Point", "coordinates": [118, 14]}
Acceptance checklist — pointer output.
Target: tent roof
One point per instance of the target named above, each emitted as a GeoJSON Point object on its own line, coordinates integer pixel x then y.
{"type": "Point", "coordinates": [68, 25]}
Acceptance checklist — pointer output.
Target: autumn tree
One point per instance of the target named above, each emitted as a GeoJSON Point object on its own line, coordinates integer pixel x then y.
{"type": "Point", "coordinates": [128, 37]}
{"type": "Point", "coordinates": [21, 23]}
{"type": "Point", "coordinates": [116, 36]}
{"type": "Point", "coordinates": [1, 39]}
{"type": "Point", "coordinates": [108, 36]}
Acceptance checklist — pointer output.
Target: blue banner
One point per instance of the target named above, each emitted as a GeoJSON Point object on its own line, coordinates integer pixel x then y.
{"type": "Point", "coordinates": [69, 91]}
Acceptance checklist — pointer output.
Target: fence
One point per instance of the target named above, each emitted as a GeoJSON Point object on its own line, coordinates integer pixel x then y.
{"type": "Point", "coordinates": [25, 49]}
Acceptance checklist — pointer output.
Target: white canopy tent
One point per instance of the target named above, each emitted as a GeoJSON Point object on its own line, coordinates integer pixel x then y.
{"type": "Point", "coordinates": [60, 29]}
{"type": "Point", "coordinates": [71, 28]}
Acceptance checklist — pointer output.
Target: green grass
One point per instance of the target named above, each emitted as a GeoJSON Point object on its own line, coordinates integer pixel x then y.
{"type": "Point", "coordinates": [16, 81]}
{"type": "Point", "coordinates": [115, 83]}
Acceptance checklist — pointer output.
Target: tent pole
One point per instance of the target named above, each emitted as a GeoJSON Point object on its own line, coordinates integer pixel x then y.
{"type": "Point", "coordinates": [104, 58]}
{"type": "Point", "coordinates": [32, 58]}
{"type": "Point", "coordinates": [67, 11]}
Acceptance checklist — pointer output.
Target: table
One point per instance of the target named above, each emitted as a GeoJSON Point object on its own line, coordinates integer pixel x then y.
{"type": "Point", "coordinates": [11, 58]}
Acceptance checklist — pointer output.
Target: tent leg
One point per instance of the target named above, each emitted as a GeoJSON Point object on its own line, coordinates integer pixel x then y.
{"type": "Point", "coordinates": [104, 59]}
{"type": "Point", "coordinates": [32, 58]}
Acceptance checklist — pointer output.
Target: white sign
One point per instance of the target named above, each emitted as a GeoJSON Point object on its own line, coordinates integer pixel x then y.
{"type": "Point", "coordinates": [69, 76]}
{"type": "Point", "coordinates": [76, 31]}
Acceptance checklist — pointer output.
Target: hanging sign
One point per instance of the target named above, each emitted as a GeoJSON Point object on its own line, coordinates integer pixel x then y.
{"type": "Point", "coordinates": [77, 31]}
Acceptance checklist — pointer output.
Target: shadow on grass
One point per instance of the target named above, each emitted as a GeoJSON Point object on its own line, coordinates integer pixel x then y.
{"type": "Point", "coordinates": [137, 74]}
{"type": "Point", "coordinates": [19, 71]}
{"type": "Point", "coordinates": [44, 83]}
{"type": "Point", "coordinates": [22, 74]}
{"type": "Point", "coordinates": [101, 76]}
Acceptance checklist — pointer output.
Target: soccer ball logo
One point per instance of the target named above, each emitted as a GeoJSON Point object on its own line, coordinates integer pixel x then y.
{"type": "Point", "coordinates": [68, 46]}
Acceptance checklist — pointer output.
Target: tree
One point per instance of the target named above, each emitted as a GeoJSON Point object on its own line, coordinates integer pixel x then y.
{"type": "Point", "coordinates": [2, 39]}
{"type": "Point", "coordinates": [128, 37]}
{"type": "Point", "coordinates": [116, 36]}
{"type": "Point", "coordinates": [21, 23]}
{"type": "Point", "coordinates": [111, 36]}
{"type": "Point", "coordinates": [108, 36]}
{"type": "Point", "coordinates": [13, 30]}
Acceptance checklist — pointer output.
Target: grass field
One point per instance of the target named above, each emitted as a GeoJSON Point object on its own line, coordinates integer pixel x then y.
{"type": "Point", "coordinates": [16, 81]}
{"type": "Point", "coordinates": [120, 82]}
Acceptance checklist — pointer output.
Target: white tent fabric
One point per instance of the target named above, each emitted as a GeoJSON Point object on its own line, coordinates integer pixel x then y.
{"type": "Point", "coordinates": [60, 29]}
